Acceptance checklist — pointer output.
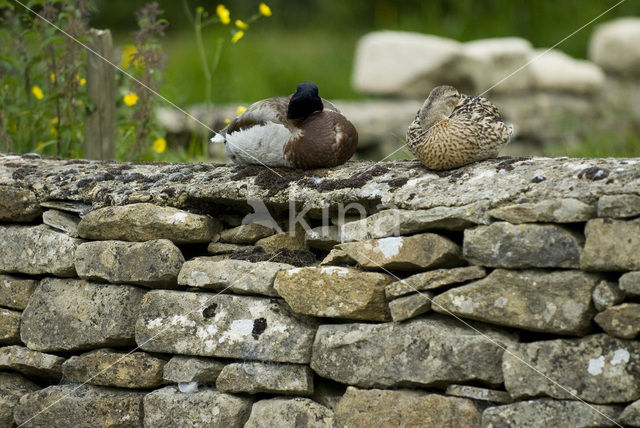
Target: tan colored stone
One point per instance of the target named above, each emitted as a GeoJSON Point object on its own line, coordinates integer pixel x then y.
{"type": "Point", "coordinates": [144, 222]}
{"type": "Point", "coordinates": [434, 279]}
{"type": "Point", "coordinates": [9, 326]}
{"type": "Point", "coordinates": [362, 408]}
{"type": "Point", "coordinates": [335, 292]}
{"type": "Point", "coordinates": [119, 369]}
{"type": "Point", "coordinates": [15, 291]}
{"type": "Point", "coordinates": [611, 245]}
{"type": "Point", "coordinates": [245, 234]}
{"type": "Point", "coordinates": [548, 211]}
{"type": "Point", "coordinates": [256, 377]}
{"type": "Point", "coordinates": [555, 302]}
{"type": "Point", "coordinates": [282, 240]}
{"type": "Point", "coordinates": [153, 264]}
{"type": "Point", "coordinates": [84, 406]}
{"type": "Point", "coordinates": [289, 412]}
{"type": "Point", "coordinates": [411, 253]}
{"type": "Point", "coordinates": [410, 306]}
{"type": "Point", "coordinates": [621, 321]}
{"type": "Point", "coordinates": [18, 205]}
{"type": "Point", "coordinates": [12, 387]}
{"type": "Point", "coordinates": [31, 363]}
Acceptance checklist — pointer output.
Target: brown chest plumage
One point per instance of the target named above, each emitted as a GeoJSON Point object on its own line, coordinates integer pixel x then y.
{"type": "Point", "coordinates": [324, 139]}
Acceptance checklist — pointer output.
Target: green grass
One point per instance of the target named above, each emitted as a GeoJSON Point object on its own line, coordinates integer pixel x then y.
{"type": "Point", "coordinates": [263, 64]}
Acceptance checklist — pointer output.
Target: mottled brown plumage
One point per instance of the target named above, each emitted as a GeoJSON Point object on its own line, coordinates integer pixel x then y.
{"type": "Point", "coordinates": [453, 129]}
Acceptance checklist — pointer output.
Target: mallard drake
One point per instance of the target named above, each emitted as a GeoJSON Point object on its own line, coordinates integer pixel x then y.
{"type": "Point", "coordinates": [299, 131]}
{"type": "Point", "coordinates": [453, 129]}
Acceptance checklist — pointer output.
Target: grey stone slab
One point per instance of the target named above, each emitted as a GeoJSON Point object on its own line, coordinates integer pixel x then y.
{"type": "Point", "coordinates": [16, 291]}
{"type": "Point", "coordinates": [168, 408]}
{"type": "Point", "coordinates": [611, 245]}
{"type": "Point", "coordinates": [506, 245]}
{"type": "Point", "coordinates": [80, 315]}
{"type": "Point", "coordinates": [34, 364]}
{"type": "Point", "coordinates": [225, 326]}
{"type": "Point", "coordinates": [428, 351]}
{"type": "Point", "coordinates": [153, 264]}
{"type": "Point", "coordinates": [256, 377]}
{"type": "Point", "coordinates": [597, 368]}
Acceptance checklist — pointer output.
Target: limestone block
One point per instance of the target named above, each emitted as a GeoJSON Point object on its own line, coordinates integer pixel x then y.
{"type": "Point", "coordinates": [630, 283]}
{"type": "Point", "coordinates": [607, 294]}
{"type": "Point", "coordinates": [548, 211]}
{"type": "Point", "coordinates": [406, 64]}
{"type": "Point", "coordinates": [611, 245]}
{"type": "Point", "coordinates": [9, 326]}
{"type": "Point", "coordinates": [80, 315]}
{"type": "Point", "coordinates": [153, 264]}
{"type": "Point", "coordinates": [597, 368]}
{"type": "Point", "coordinates": [37, 250]}
{"type": "Point", "coordinates": [234, 276]}
{"type": "Point", "coordinates": [18, 205]}
{"type": "Point", "coordinates": [619, 206]}
{"type": "Point", "coordinates": [336, 292]}
{"type": "Point", "coordinates": [498, 58]}
{"type": "Point", "coordinates": [144, 222]}
{"type": "Point", "coordinates": [12, 387]}
{"type": "Point", "coordinates": [506, 245]}
{"type": "Point", "coordinates": [63, 221]}
{"type": "Point", "coordinates": [225, 326]}
{"type": "Point", "coordinates": [31, 363]}
{"type": "Point", "coordinates": [182, 369]}
{"type": "Point", "coordinates": [289, 412]}
{"type": "Point", "coordinates": [411, 253]}
{"type": "Point", "coordinates": [544, 413]}
{"type": "Point", "coordinates": [119, 369]}
{"type": "Point", "coordinates": [621, 321]}
{"type": "Point", "coordinates": [555, 71]}
{"type": "Point", "coordinates": [245, 234]}
{"type": "Point", "coordinates": [424, 351]}
{"type": "Point", "coordinates": [395, 222]}
{"type": "Point", "coordinates": [434, 279]}
{"type": "Point", "coordinates": [410, 306]}
{"type": "Point", "coordinates": [15, 291]}
{"type": "Point", "coordinates": [73, 406]}
{"type": "Point", "coordinates": [480, 394]}
{"type": "Point", "coordinates": [554, 302]}
{"type": "Point", "coordinates": [631, 415]}
{"type": "Point", "coordinates": [168, 408]}
{"type": "Point", "coordinates": [362, 408]}
{"type": "Point", "coordinates": [256, 377]}
{"type": "Point", "coordinates": [323, 237]}
{"type": "Point", "coordinates": [615, 46]}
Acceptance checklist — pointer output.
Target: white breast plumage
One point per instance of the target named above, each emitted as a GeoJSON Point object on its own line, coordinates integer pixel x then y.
{"type": "Point", "coordinates": [264, 142]}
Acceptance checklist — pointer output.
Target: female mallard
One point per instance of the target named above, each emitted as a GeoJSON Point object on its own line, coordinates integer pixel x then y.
{"type": "Point", "coordinates": [300, 131]}
{"type": "Point", "coordinates": [453, 129]}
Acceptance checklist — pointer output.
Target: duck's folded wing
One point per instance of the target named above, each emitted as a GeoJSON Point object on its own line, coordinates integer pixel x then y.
{"type": "Point", "coordinates": [259, 113]}
{"type": "Point", "coordinates": [476, 108]}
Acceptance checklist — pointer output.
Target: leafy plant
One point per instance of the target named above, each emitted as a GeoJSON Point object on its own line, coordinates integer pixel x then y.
{"type": "Point", "coordinates": [42, 74]}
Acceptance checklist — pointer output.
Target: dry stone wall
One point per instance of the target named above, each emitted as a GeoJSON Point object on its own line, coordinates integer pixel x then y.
{"type": "Point", "coordinates": [504, 293]}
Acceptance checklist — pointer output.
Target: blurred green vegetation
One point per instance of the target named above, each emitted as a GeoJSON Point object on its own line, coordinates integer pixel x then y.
{"type": "Point", "coordinates": [315, 39]}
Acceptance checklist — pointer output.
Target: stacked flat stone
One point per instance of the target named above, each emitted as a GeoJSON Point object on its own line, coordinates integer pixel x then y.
{"type": "Point", "coordinates": [503, 293]}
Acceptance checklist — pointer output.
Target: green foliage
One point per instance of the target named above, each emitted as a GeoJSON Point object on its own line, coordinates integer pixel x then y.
{"type": "Point", "coordinates": [42, 75]}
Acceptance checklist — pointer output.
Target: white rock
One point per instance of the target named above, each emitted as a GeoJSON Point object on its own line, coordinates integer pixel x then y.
{"type": "Point", "coordinates": [556, 71]}
{"type": "Point", "coordinates": [408, 64]}
{"type": "Point", "coordinates": [498, 61]}
{"type": "Point", "coordinates": [615, 46]}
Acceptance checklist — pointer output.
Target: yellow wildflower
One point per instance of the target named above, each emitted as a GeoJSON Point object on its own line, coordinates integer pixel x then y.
{"type": "Point", "coordinates": [160, 145]}
{"type": "Point", "coordinates": [227, 121]}
{"type": "Point", "coordinates": [37, 92]}
{"type": "Point", "coordinates": [240, 110]}
{"type": "Point", "coordinates": [53, 78]}
{"type": "Point", "coordinates": [130, 99]}
{"type": "Point", "coordinates": [39, 145]}
{"type": "Point", "coordinates": [264, 9]}
{"type": "Point", "coordinates": [224, 14]}
{"type": "Point", "coordinates": [237, 36]}
{"type": "Point", "coordinates": [52, 128]}
{"type": "Point", "coordinates": [128, 55]}
{"type": "Point", "coordinates": [82, 81]}
{"type": "Point", "coordinates": [241, 24]}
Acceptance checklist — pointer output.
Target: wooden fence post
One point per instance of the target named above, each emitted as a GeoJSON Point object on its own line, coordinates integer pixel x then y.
{"type": "Point", "coordinates": [99, 127]}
